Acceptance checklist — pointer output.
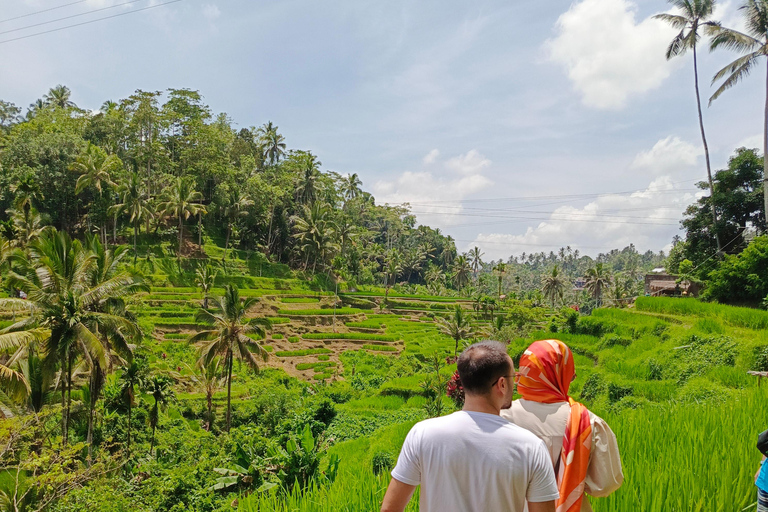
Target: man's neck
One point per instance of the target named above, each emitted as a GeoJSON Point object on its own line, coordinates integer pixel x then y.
{"type": "Point", "coordinates": [479, 403]}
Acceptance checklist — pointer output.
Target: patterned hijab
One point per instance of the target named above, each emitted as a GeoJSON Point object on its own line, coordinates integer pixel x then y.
{"type": "Point", "coordinates": [546, 372]}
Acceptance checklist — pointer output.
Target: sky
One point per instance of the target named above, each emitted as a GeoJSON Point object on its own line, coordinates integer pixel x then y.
{"type": "Point", "coordinates": [519, 126]}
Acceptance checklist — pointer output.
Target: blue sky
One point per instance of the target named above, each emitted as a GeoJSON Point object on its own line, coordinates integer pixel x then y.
{"type": "Point", "coordinates": [515, 126]}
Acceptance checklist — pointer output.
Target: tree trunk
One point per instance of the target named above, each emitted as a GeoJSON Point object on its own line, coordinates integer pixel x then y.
{"type": "Point", "coordinates": [209, 397]}
{"type": "Point", "coordinates": [229, 389]}
{"type": "Point", "coordinates": [130, 407]}
{"type": "Point", "coordinates": [152, 441]}
{"type": "Point", "coordinates": [706, 151]}
{"type": "Point", "coordinates": [63, 386]}
{"type": "Point", "coordinates": [765, 157]}
{"type": "Point", "coordinates": [91, 406]}
{"type": "Point", "coordinates": [269, 232]}
{"type": "Point", "coordinates": [135, 234]}
{"type": "Point", "coordinates": [226, 243]}
{"type": "Point", "coordinates": [69, 394]}
{"type": "Point", "coordinates": [181, 234]}
{"type": "Point", "coordinates": [200, 229]}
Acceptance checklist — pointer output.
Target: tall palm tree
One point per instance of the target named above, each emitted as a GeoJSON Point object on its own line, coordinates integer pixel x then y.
{"type": "Point", "coordinates": [754, 45]}
{"type": "Point", "coordinates": [316, 233]}
{"type": "Point", "coordinates": [457, 326]}
{"type": "Point", "coordinates": [209, 381]}
{"type": "Point", "coordinates": [237, 207]}
{"type": "Point", "coordinates": [95, 167]}
{"type": "Point", "coordinates": [57, 278]}
{"type": "Point", "coordinates": [461, 271]}
{"type": "Point", "coordinates": [475, 257]}
{"type": "Point", "coordinates": [501, 270]}
{"type": "Point", "coordinates": [161, 389]}
{"type": "Point", "coordinates": [272, 142]}
{"type": "Point", "coordinates": [134, 204]}
{"type": "Point", "coordinates": [553, 286]}
{"type": "Point", "coordinates": [227, 337]}
{"type": "Point", "coordinates": [350, 186]}
{"type": "Point", "coordinates": [59, 96]}
{"type": "Point", "coordinates": [308, 178]}
{"type": "Point", "coordinates": [694, 14]}
{"type": "Point", "coordinates": [392, 268]}
{"type": "Point", "coordinates": [36, 107]}
{"type": "Point", "coordinates": [204, 278]}
{"type": "Point", "coordinates": [598, 280]}
{"type": "Point", "coordinates": [182, 201]}
{"type": "Point", "coordinates": [132, 377]}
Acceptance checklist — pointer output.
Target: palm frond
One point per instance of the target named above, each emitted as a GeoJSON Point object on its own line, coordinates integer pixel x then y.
{"type": "Point", "coordinates": [13, 383]}
{"type": "Point", "coordinates": [202, 336]}
{"type": "Point", "coordinates": [20, 338]}
{"type": "Point", "coordinates": [731, 40]}
{"type": "Point", "coordinates": [738, 69]}
{"type": "Point", "coordinates": [91, 344]}
{"type": "Point", "coordinates": [677, 21]}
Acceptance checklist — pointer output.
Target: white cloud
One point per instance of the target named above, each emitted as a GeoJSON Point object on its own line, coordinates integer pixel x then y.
{"type": "Point", "coordinates": [648, 218]}
{"type": "Point", "coordinates": [430, 157]}
{"type": "Point", "coordinates": [430, 194]}
{"type": "Point", "coordinates": [608, 55]}
{"type": "Point", "coordinates": [211, 12]}
{"type": "Point", "coordinates": [754, 141]}
{"type": "Point", "coordinates": [668, 156]}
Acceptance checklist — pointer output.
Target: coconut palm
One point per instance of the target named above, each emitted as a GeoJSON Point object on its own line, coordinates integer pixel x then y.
{"type": "Point", "coordinates": [134, 204]}
{"type": "Point", "coordinates": [350, 186]}
{"type": "Point", "coordinates": [132, 377]}
{"type": "Point", "coordinates": [227, 337]}
{"type": "Point", "coordinates": [29, 226]}
{"type": "Point", "coordinates": [204, 278]}
{"type": "Point", "coordinates": [95, 167]}
{"type": "Point", "coordinates": [59, 96]}
{"type": "Point", "coordinates": [160, 387]}
{"type": "Point", "coordinates": [754, 45]}
{"type": "Point", "coordinates": [208, 380]}
{"type": "Point", "coordinates": [182, 202]}
{"type": "Point", "coordinates": [694, 14]}
{"type": "Point", "coordinates": [500, 269]}
{"type": "Point", "coordinates": [272, 142]}
{"type": "Point", "coordinates": [58, 280]}
{"type": "Point", "coordinates": [553, 286]}
{"type": "Point", "coordinates": [461, 271]}
{"type": "Point", "coordinates": [457, 326]}
{"type": "Point", "coordinates": [308, 178]}
{"type": "Point", "coordinates": [598, 280]}
{"type": "Point", "coordinates": [236, 208]}
{"type": "Point", "coordinates": [316, 232]}
{"type": "Point", "coordinates": [475, 258]}
{"type": "Point", "coordinates": [393, 267]}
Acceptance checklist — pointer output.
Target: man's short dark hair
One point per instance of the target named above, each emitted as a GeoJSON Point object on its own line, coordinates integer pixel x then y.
{"type": "Point", "coordinates": [481, 364]}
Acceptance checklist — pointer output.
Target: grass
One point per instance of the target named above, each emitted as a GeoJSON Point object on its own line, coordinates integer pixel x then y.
{"type": "Point", "coordinates": [304, 352]}
{"type": "Point", "coordinates": [298, 300]}
{"type": "Point", "coordinates": [731, 315]}
{"type": "Point", "coordinates": [319, 312]}
{"type": "Point", "coordinates": [348, 336]}
{"type": "Point", "coordinates": [380, 348]}
{"type": "Point", "coordinates": [315, 366]}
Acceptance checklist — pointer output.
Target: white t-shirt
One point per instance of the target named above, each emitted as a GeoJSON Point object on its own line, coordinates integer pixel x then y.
{"type": "Point", "coordinates": [474, 461]}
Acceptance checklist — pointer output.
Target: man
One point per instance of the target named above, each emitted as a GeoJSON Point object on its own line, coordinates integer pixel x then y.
{"type": "Point", "coordinates": [581, 446]}
{"type": "Point", "coordinates": [474, 460]}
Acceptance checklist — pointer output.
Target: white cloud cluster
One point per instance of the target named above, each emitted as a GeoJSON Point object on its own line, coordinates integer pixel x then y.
{"type": "Point", "coordinates": [647, 218]}
{"type": "Point", "coordinates": [669, 156]}
{"type": "Point", "coordinates": [438, 189]}
{"type": "Point", "coordinates": [608, 55]}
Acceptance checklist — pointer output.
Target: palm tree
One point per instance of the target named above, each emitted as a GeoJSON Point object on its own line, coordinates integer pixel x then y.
{"type": "Point", "coordinates": [315, 232]}
{"type": "Point", "coordinates": [96, 168]}
{"type": "Point", "coordinates": [461, 270]}
{"type": "Point", "coordinates": [57, 278]}
{"type": "Point", "coordinates": [209, 381]}
{"type": "Point", "coordinates": [755, 46]}
{"type": "Point", "coordinates": [694, 14]}
{"type": "Point", "coordinates": [35, 108]}
{"type": "Point", "coordinates": [182, 201]}
{"type": "Point", "coordinates": [228, 336]}
{"type": "Point", "coordinates": [59, 97]}
{"type": "Point", "coordinates": [350, 186]}
{"type": "Point", "coordinates": [160, 387]}
{"type": "Point", "coordinates": [392, 268]}
{"type": "Point", "coordinates": [598, 279]}
{"type": "Point", "coordinates": [500, 269]}
{"type": "Point", "coordinates": [309, 175]}
{"type": "Point", "coordinates": [236, 208]}
{"type": "Point", "coordinates": [134, 204]}
{"type": "Point", "coordinates": [475, 257]}
{"type": "Point", "coordinates": [457, 327]}
{"type": "Point", "coordinates": [132, 377]}
{"type": "Point", "coordinates": [553, 286]}
{"type": "Point", "coordinates": [204, 278]}
{"type": "Point", "coordinates": [272, 142]}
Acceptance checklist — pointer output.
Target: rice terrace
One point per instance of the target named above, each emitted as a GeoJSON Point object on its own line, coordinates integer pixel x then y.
{"type": "Point", "coordinates": [536, 246]}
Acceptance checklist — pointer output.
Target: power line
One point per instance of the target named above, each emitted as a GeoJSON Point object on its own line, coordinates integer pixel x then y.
{"type": "Point", "coordinates": [42, 11]}
{"type": "Point", "coordinates": [91, 21]}
{"type": "Point", "coordinates": [86, 13]}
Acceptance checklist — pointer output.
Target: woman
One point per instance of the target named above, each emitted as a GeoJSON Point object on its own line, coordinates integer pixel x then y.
{"type": "Point", "coordinates": [583, 448]}
{"type": "Point", "coordinates": [761, 481]}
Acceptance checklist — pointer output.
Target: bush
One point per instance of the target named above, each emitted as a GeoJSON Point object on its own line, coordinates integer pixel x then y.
{"type": "Point", "coordinates": [382, 462]}
{"type": "Point", "coordinates": [655, 370]}
{"type": "Point", "coordinates": [616, 392]}
{"type": "Point", "coordinates": [760, 358]}
{"type": "Point", "coordinates": [593, 388]}
{"type": "Point", "coordinates": [611, 340]}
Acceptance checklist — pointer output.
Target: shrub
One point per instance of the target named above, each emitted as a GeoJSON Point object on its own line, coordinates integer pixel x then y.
{"type": "Point", "coordinates": [611, 340]}
{"type": "Point", "coordinates": [760, 358]}
{"type": "Point", "coordinates": [616, 392]}
{"type": "Point", "coordinates": [382, 462]}
{"type": "Point", "coordinates": [593, 387]}
{"type": "Point", "coordinates": [277, 336]}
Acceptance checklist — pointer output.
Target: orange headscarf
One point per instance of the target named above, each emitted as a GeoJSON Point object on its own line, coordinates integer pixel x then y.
{"type": "Point", "coordinates": [546, 372]}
